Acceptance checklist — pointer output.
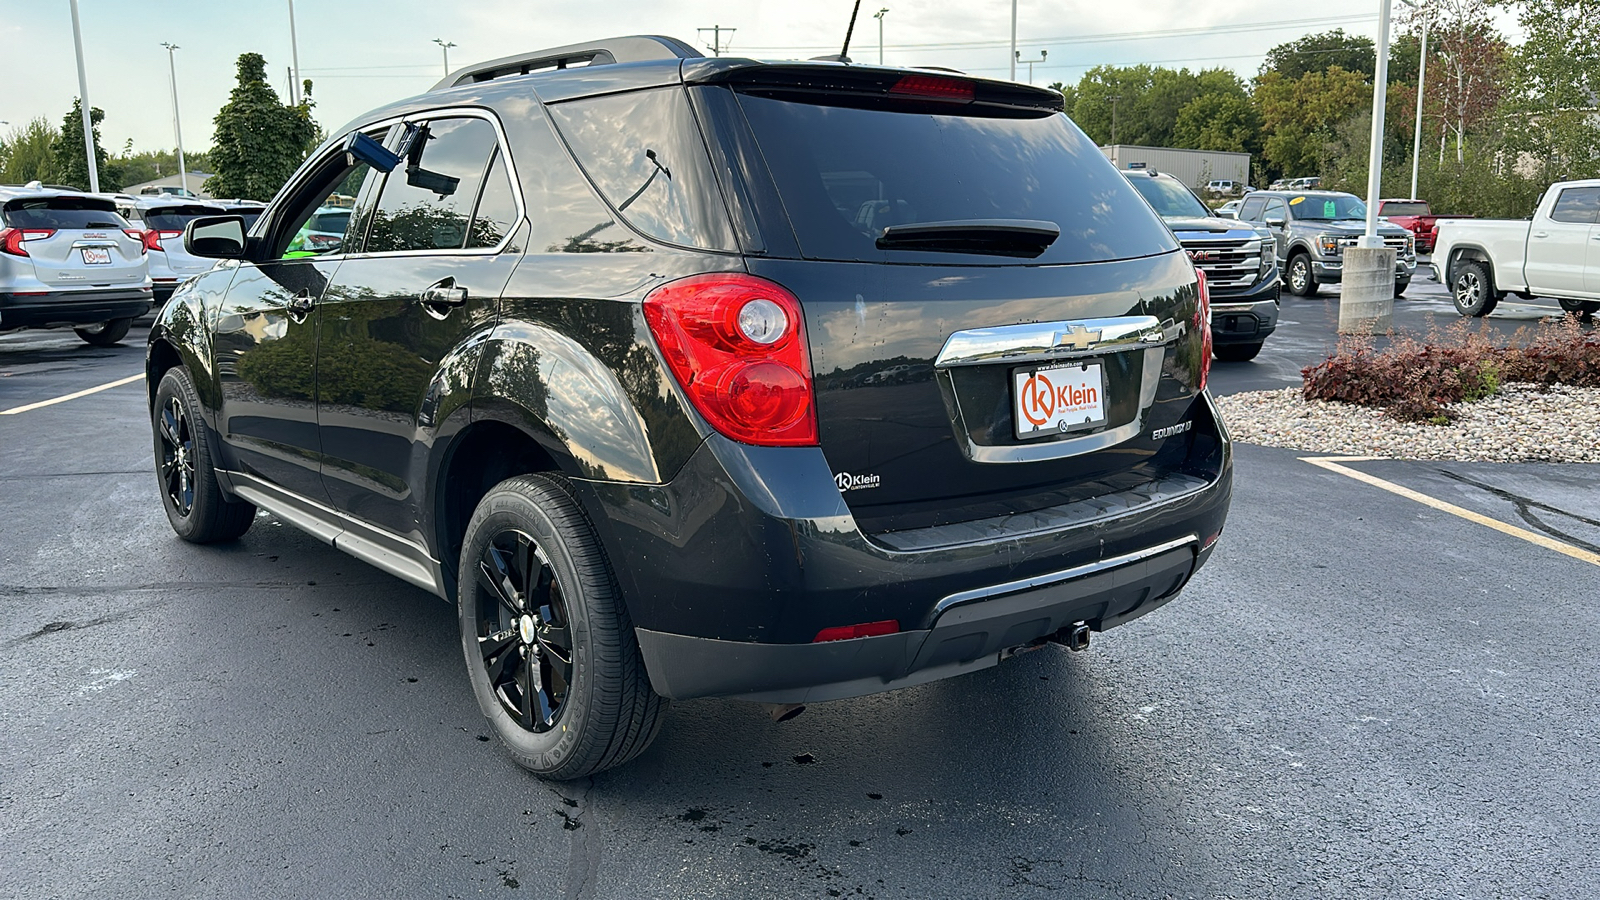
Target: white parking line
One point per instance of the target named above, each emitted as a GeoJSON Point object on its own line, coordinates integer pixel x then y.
{"type": "Point", "coordinates": [73, 396]}
{"type": "Point", "coordinates": [1331, 463]}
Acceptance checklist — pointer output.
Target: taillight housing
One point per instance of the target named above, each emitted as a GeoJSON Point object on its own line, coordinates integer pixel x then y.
{"type": "Point", "coordinates": [935, 87]}
{"type": "Point", "coordinates": [11, 239]}
{"type": "Point", "coordinates": [1202, 321]}
{"type": "Point", "coordinates": [737, 346]}
{"type": "Point", "coordinates": [137, 235]}
{"type": "Point", "coordinates": [153, 239]}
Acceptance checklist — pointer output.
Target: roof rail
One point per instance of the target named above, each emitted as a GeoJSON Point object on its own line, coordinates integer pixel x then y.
{"type": "Point", "coordinates": [637, 48]}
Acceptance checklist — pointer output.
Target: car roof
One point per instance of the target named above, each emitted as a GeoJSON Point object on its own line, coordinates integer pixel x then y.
{"type": "Point", "coordinates": [169, 200]}
{"type": "Point", "coordinates": [13, 191]}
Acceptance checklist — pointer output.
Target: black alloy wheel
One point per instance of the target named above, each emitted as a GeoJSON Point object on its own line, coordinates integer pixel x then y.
{"type": "Point", "coordinates": [175, 455]}
{"type": "Point", "coordinates": [524, 643]}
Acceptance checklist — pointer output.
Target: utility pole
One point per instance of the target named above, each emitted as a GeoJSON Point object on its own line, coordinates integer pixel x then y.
{"type": "Point", "coordinates": [1366, 291]}
{"type": "Point", "coordinates": [294, 56]}
{"type": "Point", "coordinates": [716, 44]}
{"type": "Point", "coordinates": [445, 46]}
{"type": "Point", "coordinates": [177, 126]}
{"type": "Point", "coordinates": [1013, 40]}
{"type": "Point", "coordinates": [1422, 80]}
{"type": "Point", "coordinates": [879, 16]}
{"type": "Point", "coordinates": [1114, 98]}
{"type": "Point", "coordinates": [1042, 55]}
{"type": "Point", "coordinates": [83, 104]}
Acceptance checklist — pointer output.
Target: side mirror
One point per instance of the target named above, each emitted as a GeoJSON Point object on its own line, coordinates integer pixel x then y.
{"type": "Point", "coordinates": [361, 148]}
{"type": "Point", "coordinates": [215, 237]}
{"type": "Point", "coordinates": [1275, 221]}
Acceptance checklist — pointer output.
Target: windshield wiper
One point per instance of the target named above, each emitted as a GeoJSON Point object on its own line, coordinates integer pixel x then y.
{"type": "Point", "coordinates": [1026, 238]}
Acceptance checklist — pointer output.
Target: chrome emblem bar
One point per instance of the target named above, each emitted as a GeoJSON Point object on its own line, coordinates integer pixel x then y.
{"type": "Point", "coordinates": [1049, 340]}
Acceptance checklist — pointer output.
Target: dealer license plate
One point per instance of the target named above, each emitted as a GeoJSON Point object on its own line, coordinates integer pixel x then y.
{"type": "Point", "coordinates": [95, 256]}
{"type": "Point", "coordinates": [1058, 399]}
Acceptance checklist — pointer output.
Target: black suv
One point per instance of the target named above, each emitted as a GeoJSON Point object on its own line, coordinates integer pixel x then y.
{"type": "Point", "coordinates": [706, 377]}
{"type": "Point", "coordinates": [1237, 257]}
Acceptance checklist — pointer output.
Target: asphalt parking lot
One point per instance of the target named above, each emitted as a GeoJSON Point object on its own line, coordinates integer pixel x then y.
{"type": "Point", "coordinates": [1361, 696]}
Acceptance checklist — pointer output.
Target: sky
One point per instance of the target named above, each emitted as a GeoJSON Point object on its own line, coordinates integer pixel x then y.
{"type": "Point", "coordinates": [361, 54]}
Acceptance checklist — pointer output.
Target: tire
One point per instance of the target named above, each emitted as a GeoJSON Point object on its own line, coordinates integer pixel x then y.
{"type": "Point", "coordinates": [1400, 288]}
{"type": "Point", "coordinates": [1582, 307]}
{"type": "Point", "coordinates": [1472, 289]}
{"type": "Point", "coordinates": [1236, 352]}
{"type": "Point", "coordinates": [1299, 278]}
{"type": "Point", "coordinates": [185, 473]}
{"type": "Point", "coordinates": [106, 333]}
{"type": "Point", "coordinates": [593, 710]}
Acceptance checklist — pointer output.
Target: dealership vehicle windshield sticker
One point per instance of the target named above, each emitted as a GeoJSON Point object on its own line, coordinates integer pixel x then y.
{"type": "Point", "coordinates": [848, 482]}
{"type": "Point", "coordinates": [1171, 430]}
{"type": "Point", "coordinates": [1297, 200]}
{"type": "Point", "coordinates": [1329, 209]}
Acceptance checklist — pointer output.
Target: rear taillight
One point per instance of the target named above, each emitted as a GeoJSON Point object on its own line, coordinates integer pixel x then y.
{"type": "Point", "coordinates": [153, 239]}
{"type": "Point", "coordinates": [1202, 321]}
{"type": "Point", "coordinates": [934, 87]}
{"type": "Point", "coordinates": [137, 235]}
{"type": "Point", "coordinates": [11, 239]}
{"type": "Point", "coordinates": [737, 346]}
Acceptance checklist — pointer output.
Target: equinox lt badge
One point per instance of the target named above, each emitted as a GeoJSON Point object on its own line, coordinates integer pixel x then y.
{"type": "Point", "coordinates": [1171, 430]}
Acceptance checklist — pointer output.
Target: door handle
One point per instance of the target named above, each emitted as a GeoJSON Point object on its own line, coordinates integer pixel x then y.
{"type": "Point", "coordinates": [300, 304]}
{"type": "Point", "coordinates": [1540, 234]}
{"type": "Point", "coordinates": [445, 293]}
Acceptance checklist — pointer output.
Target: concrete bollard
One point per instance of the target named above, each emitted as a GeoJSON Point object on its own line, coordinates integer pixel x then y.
{"type": "Point", "coordinates": [1366, 293]}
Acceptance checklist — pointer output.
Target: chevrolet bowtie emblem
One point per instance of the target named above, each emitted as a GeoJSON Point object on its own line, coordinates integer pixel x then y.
{"type": "Point", "coordinates": [1077, 337]}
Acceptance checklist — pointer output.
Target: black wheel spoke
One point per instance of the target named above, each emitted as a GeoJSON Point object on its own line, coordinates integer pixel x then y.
{"type": "Point", "coordinates": [544, 701]}
{"type": "Point", "coordinates": [502, 668]}
{"type": "Point", "coordinates": [495, 644]}
{"type": "Point", "coordinates": [169, 428]}
{"type": "Point", "coordinates": [556, 642]}
{"type": "Point", "coordinates": [524, 638]}
{"type": "Point", "coordinates": [494, 572]}
{"type": "Point", "coordinates": [532, 691]}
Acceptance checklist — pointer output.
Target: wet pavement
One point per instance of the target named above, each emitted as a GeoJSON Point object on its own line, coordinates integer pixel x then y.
{"type": "Point", "coordinates": [1360, 696]}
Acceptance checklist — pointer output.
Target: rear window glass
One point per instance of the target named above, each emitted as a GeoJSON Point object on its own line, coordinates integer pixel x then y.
{"type": "Point", "coordinates": [1169, 198]}
{"type": "Point", "coordinates": [845, 174]}
{"type": "Point", "coordinates": [63, 212]}
{"type": "Point", "coordinates": [1405, 209]}
{"type": "Point", "coordinates": [644, 153]}
{"type": "Point", "coordinates": [1581, 205]}
{"type": "Point", "coordinates": [173, 218]}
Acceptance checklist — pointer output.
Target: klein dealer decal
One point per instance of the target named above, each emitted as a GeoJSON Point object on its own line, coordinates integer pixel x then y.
{"type": "Point", "coordinates": [1041, 400]}
{"type": "Point", "coordinates": [848, 482]}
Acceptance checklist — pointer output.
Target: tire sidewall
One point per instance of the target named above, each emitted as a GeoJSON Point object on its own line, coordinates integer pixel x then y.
{"type": "Point", "coordinates": [1300, 262]}
{"type": "Point", "coordinates": [1479, 305]}
{"type": "Point", "coordinates": [175, 384]}
{"type": "Point", "coordinates": [548, 751]}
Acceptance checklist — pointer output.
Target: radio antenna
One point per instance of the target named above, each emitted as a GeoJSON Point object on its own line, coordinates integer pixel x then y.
{"type": "Point", "coordinates": [844, 52]}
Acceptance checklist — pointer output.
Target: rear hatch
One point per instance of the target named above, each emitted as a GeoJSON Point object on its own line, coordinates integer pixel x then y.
{"type": "Point", "coordinates": [168, 222]}
{"type": "Point", "coordinates": [997, 321]}
{"type": "Point", "coordinates": [77, 242]}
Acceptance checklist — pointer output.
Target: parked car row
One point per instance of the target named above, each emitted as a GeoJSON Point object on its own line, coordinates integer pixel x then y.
{"type": "Point", "coordinates": [95, 262]}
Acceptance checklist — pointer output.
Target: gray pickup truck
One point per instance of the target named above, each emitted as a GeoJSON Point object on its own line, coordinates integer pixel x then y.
{"type": "Point", "coordinates": [1312, 230]}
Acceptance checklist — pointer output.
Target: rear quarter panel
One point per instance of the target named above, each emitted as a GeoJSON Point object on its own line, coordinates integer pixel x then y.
{"type": "Point", "coordinates": [1504, 241]}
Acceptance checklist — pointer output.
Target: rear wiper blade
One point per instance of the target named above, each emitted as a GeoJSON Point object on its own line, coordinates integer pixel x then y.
{"type": "Point", "coordinates": [999, 237]}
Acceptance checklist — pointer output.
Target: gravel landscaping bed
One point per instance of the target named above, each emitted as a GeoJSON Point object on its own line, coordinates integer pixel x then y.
{"type": "Point", "coordinates": [1521, 423]}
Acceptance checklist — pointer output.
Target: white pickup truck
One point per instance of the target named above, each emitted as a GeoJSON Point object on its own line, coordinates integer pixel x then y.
{"type": "Point", "coordinates": [1556, 254]}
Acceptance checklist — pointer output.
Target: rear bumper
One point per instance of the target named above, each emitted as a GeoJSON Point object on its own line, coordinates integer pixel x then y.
{"type": "Point", "coordinates": [732, 568]}
{"type": "Point", "coordinates": [70, 308]}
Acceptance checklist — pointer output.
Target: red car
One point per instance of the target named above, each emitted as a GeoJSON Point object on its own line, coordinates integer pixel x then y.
{"type": "Point", "coordinates": [1416, 217]}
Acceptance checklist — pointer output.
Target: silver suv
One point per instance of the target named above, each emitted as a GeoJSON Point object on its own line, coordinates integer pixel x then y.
{"type": "Point", "coordinates": [160, 221]}
{"type": "Point", "coordinates": [69, 260]}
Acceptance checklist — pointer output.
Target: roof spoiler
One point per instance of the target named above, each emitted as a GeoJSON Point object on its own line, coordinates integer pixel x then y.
{"type": "Point", "coordinates": [637, 48]}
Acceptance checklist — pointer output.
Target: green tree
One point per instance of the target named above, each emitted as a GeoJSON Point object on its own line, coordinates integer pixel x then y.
{"type": "Point", "coordinates": [1146, 101]}
{"type": "Point", "coordinates": [69, 165]}
{"type": "Point", "coordinates": [30, 152]}
{"type": "Point", "coordinates": [1553, 110]}
{"type": "Point", "coordinates": [1299, 117]}
{"type": "Point", "coordinates": [258, 141]}
{"type": "Point", "coordinates": [1321, 52]}
{"type": "Point", "coordinates": [1219, 122]}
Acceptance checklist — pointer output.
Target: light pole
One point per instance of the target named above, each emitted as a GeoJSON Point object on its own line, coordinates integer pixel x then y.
{"type": "Point", "coordinates": [879, 16]}
{"type": "Point", "coordinates": [1380, 94]}
{"type": "Point", "coordinates": [1013, 40]}
{"type": "Point", "coordinates": [1042, 55]}
{"type": "Point", "coordinates": [83, 103]}
{"type": "Point", "coordinates": [445, 46]}
{"type": "Point", "coordinates": [294, 56]}
{"type": "Point", "coordinates": [1366, 292]}
{"type": "Point", "coordinates": [177, 126]}
{"type": "Point", "coordinates": [1422, 80]}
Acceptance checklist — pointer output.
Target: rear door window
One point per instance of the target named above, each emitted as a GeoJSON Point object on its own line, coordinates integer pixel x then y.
{"type": "Point", "coordinates": [427, 201]}
{"type": "Point", "coordinates": [1251, 210]}
{"type": "Point", "coordinates": [1578, 205]}
{"type": "Point", "coordinates": [846, 173]}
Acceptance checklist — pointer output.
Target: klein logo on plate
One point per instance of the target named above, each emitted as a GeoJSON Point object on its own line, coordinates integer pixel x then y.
{"type": "Point", "coordinates": [1059, 400]}
{"type": "Point", "coordinates": [848, 482]}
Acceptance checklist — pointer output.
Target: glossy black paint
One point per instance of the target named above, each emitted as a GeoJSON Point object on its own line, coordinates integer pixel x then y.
{"type": "Point", "coordinates": [549, 364]}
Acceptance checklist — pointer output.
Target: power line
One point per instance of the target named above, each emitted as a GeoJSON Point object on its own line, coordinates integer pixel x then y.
{"type": "Point", "coordinates": [1112, 37]}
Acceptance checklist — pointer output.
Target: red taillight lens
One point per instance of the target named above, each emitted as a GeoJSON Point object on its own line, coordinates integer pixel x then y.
{"type": "Point", "coordinates": [11, 239]}
{"type": "Point", "coordinates": [865, 629]}
{"type": "Point", "coordinates": [137, 235]}
{"type": "Point", "coordinates": [934, 87]}
{"type": "Point", "coordinates": [736, 344]}
{"type": "Point", "coordinates": [1202, 321]}
{"type": "Point", "coordinates": [152, 241]}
